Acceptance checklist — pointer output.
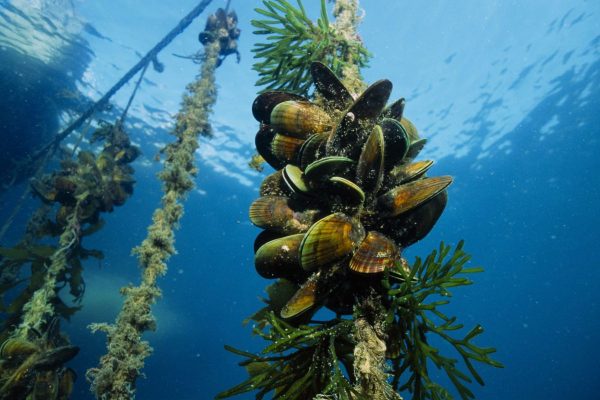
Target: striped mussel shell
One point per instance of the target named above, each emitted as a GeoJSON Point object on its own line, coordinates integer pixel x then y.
{"type": "Point", "coordinates": [329, 240]}
{"type": "Point", "coordinates": [375, 254]}
{"type": "Point", "coordinates": [276, 213]}
{"type": "Point", "coordinates": [300, 118]}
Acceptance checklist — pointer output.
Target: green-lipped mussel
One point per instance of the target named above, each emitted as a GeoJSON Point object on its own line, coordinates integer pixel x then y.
{"type": "Point", "coordinates": [347, 196]}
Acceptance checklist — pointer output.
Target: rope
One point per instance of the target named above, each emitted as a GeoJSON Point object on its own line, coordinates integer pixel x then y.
{"type": "Point", "coordinates": [179, 28]}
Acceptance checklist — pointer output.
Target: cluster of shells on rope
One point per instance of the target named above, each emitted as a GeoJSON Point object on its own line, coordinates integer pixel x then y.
{"type": "Point", "coordinates": [347, 196]}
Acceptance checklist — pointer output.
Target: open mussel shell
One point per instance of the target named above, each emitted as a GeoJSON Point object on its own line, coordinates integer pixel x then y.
{"type": "Point", "coordinates": [264, 138]}
{"type": "Point", "coordinates": [374, 255]}
{"type": "Point", "coordinates": [285, 148]}
{"type": "Point", "coordinates": [369, 171]}
{"type": "Point", "coordinates": [409, 172]}
{"type": "Point", "coordinates": [276, 213]}
{"type": "Point", "coordinates": [300, 118]}
{"type": "Point", "coordinates": [279, 258]}
{"type": "Point", "coordinates": [273, 185]}
{"type": "Point", "coordinates": [304, 299]}
{"type": "Point", "coordinates": [265, 102]}
{"type": "Point", "coordinates": [350, 134]}
{"type": "Point", "coordinates": [330, 239]}
{"type": "Point", "coordinates": [347, 192]}
{"type": "Point", "coordinates": [312, 149]}
{"type": "Point", "coordinates": [330, 87]}
{"type": "Point", "coordinates": [408, 196]}
{"type": "Point", "coordinates": [294, 179]}
{"type": "Point", "coordinates": [414, 225]}
{"type": "Point", "coordinates": [327, 167]}
{"type": "Point", "coordinates": [395, 110]}
{"type": "Point", "coordinates": [396, 142]}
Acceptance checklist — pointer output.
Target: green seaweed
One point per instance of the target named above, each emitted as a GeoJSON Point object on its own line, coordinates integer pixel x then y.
{"type": "Point", "coordinates": [294, 41]}
{"type": "Point", "coordinates": [303, 361]}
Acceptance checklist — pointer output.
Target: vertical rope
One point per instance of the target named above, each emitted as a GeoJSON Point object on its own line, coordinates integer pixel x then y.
{"type": "Point", "coordinates": [119, 368]}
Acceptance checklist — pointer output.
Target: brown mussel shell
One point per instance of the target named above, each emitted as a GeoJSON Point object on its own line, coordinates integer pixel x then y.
{"type": "Point", "coordinates": [329, 240]}
{"type": "Point", "coordinates": [304, 299]}
{"type": "Point", "coordinates": [300, 118]}
{"type": "Point", "coordinates": [265, 102]}
{"type": "Point", "coordinates": [408, 196]}
{"type": "Point", "coordinates": [375, 254]}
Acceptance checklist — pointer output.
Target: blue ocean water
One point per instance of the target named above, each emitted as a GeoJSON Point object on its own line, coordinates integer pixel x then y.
{"type": "Point", "coordinates": [506, 92]}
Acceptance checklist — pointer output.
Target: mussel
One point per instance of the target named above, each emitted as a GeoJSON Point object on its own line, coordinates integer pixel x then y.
{"type": "Point", "coordinates": [347, 196]}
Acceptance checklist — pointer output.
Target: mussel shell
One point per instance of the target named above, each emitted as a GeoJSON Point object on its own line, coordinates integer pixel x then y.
{"type": "Point", "coordinates": [414, 225]}
{"type": "Point", "coordinates": [273, 185]}
{"type": "Point", "coordinates": [369, 171]}
{"type": "Point", "coordinates": [66, 383]}
{"type": "Point", "coordinates": [56, 357]}
{"type": "Point", "coordinates": [396, 142]}
{"type": "Point", "coordinates": [294, 179]}
{"type": "Point", "coordinates": [411, 130]}
{"type": "Point", "coordinates": [277, 213]}
{"type": "Point", "coordinates": [45, 386]}
{"type": "Point", "coordinates": [347, 192]}
{"type": "Point", "coordinates": [312, 149]}
{"type": "Point", "coordinates": [415, 148]}
{"type": "Point", "coordinates": [265, 102]}
{"type": "Point", "coordinates": [326, 167]}
{"type": "Point", "coordinates": [330, 239]}
{"type": "Point", "coordinates": [264, 237]}
{"type": "Point", "coordinates": [350, 134]}
{"type": "Point", "coordinates": [409, 172]}
{"type": "Point", "coordinates": [16, 347]}
{"type": "Point", "coordinates": [374, 255]}
{"type": "Point", "coordinates": [285, 148]}
{"type": "Point", "coordinates": [300, 118]}
{"type": "Point", "coordinates": [395, 110]}
{"type": "Point", "coordinates": [408, 196]}
{"type": "Point", "coordinates": [330, 87]}
{"type": "Point", "coordinates": [279, 258]}
{"type": "Point", "coordinates": [304, 299]}
{"type": "Point", "coordinates": [271, 212]}
{"type": "Point", "coordinates": [264, 138]}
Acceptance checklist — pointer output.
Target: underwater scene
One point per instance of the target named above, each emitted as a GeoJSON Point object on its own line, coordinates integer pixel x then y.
{"type": "Point", "coordinates": [299, 199]}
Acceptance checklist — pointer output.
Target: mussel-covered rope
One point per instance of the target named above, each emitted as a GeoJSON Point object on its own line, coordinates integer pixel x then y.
{"type": "Point", "coordinates": [39, 309]}
{"type": "Point", "coordinates": [119, 368]}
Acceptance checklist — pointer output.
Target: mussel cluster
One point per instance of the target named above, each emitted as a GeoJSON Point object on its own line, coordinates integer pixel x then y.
{"type": "Point", "coordinates": [347, 196]}
{"type": "Point", "coordinates": [33, 369]}
{"type": "Point", "coordinates": [98, 183]}
{"type": "Point", "coordinates": [222, 26]}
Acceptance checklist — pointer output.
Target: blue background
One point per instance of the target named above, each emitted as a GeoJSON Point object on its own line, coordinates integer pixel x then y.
{"type": "Point", "coordinates": [508, 95]}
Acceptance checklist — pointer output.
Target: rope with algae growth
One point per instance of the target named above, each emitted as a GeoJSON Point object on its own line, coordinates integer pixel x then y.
{"type": "Point", "coordinates": [39, 308]}
{"type": "Point", "coordinates": [369, 351]}
{"type": "Point", "coordinates": [119, 368]}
